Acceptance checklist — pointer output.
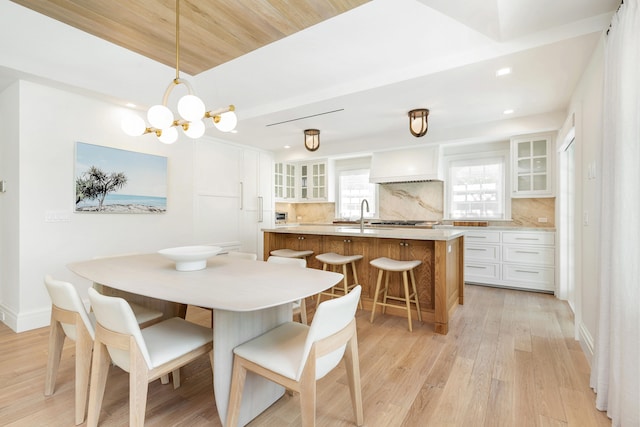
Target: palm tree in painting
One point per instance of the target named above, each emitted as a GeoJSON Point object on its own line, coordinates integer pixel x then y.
{"type": "Point", "coordinates": [96, 184]}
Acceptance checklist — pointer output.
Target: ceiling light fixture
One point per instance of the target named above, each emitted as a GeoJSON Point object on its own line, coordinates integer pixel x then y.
{"type": "Point", "coordinates": [191, 109]}
{"type": "Point", "coordinates": [509, 111]}
{"type": "Point", "coordinates": [311, 139]}
{"type": "Point", "coordinates": [418, 124]}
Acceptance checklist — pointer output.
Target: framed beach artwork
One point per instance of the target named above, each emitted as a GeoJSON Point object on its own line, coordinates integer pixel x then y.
{"type": "Point", "coordinates": [111, 180]}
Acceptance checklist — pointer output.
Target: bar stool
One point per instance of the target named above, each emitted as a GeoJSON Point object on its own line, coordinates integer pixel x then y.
{"type": "Point", "coordinates": [391, 265]}
{"type": "Point", "coordinates": [290, 253]}
{"type": "Point", "coordinates": [335, 260]}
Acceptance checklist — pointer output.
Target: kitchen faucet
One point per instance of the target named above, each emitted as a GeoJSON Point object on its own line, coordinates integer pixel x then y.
{"type": "Point", "coordinates": [364, 202]}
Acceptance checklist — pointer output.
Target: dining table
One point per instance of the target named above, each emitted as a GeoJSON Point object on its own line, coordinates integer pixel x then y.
{"type": "Point", "coordinates": [248, 298]}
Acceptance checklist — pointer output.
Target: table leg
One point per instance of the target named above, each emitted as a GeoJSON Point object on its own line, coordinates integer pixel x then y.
{"type": "Point", "coordinates": [230, 329]}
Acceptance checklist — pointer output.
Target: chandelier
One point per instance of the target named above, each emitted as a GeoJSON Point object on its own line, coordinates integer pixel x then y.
{"type": "Point", "coordinates": [191, 110]}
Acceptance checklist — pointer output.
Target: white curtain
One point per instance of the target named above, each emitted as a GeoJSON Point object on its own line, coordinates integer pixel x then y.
{"type": "Point", "coordinates": [615, 374]}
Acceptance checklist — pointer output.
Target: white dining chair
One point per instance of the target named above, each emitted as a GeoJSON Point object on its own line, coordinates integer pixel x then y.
{"type": "Point", "coordinates": [296, 355]}
{"type": "Point", "coordinates": [299, 306]}
{"type": "Point", "coordinates": [146, 354]}
{"type": "Point", "coordinates": [69, 318]}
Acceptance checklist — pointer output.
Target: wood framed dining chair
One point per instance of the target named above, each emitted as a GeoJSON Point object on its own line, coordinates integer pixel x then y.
{"type": "Point", "coordinates": [146, 354]}
{"type": "Point", "coordinates": [295, 356]}
{"type": "Point", "coordinates": [299, 306]}
{"type": "Point", "coordinates": [69, 318]}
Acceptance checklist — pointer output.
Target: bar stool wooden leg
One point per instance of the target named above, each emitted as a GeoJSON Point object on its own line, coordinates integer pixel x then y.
{"type": "Point", "coordinates": [407, 298]}
{"type": "Point", "coordinates": [415, 293]}
{"type": "Point", "coordinates": [375, 296]}
{"type": "Point", "coordinates": [355, 280]}
{"type": "Point", "coordinates": [386, 291]}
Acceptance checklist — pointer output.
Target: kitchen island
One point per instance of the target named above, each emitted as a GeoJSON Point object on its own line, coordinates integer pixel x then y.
{"type": "Point", "coordinates": [439, 279]}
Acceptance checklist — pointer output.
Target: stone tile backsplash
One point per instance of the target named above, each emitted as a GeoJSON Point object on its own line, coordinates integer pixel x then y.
{"type": "Point", "coordinates": [422, 201]}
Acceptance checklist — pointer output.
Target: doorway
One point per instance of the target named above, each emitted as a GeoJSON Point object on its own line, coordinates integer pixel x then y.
{"type": "Point", "coordinates": [566, 237]}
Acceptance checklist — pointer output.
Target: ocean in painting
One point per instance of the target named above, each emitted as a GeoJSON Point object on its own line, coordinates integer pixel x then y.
{"type": "Point", "coordinates": [125, 203]}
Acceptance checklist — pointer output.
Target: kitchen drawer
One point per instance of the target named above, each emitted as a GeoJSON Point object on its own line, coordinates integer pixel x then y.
{"type": "Point", "coordinates": [473, 236]}
{"type": "Point", "coordinates": [529, 276]}
{"type": "Point", "coordinates": [482, 252]}
{"type": "Point", "coordinates": [481, 272]}
{"type": "Point", "coordinates": [529, 238]}
{"type": "Point", "coordinates": [534, 255]}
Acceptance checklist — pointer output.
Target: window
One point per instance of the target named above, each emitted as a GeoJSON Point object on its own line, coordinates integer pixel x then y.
{"type": "Point", "coordinates": [353, 186]}
{"type": "Point", "coordinates": [476, 187]}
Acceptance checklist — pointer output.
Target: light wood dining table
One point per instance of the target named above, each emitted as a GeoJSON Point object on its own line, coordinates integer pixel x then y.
{"type": "Point", "coordinates": [248, 298]}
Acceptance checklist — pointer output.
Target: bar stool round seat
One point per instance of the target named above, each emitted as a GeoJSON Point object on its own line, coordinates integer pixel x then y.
{"type": "Point", "coordinates": [336, 260]}
{"type": "Point", "coordinates": [389, 265]}
{"type": "Point", "coordinates": [290, 253]}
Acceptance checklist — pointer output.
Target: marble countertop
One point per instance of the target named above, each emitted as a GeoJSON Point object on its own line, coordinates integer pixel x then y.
{"type": "Point", "coordinates": [412, 233]}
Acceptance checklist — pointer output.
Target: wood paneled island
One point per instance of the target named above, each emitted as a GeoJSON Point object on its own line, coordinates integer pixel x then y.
{"type": "Point", "coordinates": [440, 277]}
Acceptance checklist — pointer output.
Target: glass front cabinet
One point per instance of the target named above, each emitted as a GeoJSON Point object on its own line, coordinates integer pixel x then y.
{"type": "Point", "coordinates": [284, 181]}
{"type": "Point", "coordinates": [532, 166]}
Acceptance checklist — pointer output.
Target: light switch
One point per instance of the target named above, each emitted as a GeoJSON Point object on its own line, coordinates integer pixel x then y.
{"type": "Point", "coordinates": [585, 218]}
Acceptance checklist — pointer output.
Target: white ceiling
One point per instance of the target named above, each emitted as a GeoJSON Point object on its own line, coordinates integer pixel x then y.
{"type": "Point", "coordinates": [373, 63]}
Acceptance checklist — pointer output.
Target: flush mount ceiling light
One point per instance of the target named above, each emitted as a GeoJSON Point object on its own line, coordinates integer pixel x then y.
{"type": "Point", "coordinates": [191, 109]}
{"type": "Point", "coordinates": [311, 139]}
{"type": "Point", "coordinates": [418, 124]}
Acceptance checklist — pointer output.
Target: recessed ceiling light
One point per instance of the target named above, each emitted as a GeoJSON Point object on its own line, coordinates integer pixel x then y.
{"type": "Point", "coordinates": [130, 105]}
{"type": "Point", "coordinates": [509, 111]}
{"type": "Point", "coordinates": [287, 146]}
{"type": "Point", "coordinates": [234, 131]}
{"type": "Point", "coordinates": [503, 72]}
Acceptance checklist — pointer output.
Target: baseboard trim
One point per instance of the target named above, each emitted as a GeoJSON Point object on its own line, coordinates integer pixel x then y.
{"type": "Point", "coordinates": [586, 342]}
{"type": "Point", "coordinates": [21, 322]}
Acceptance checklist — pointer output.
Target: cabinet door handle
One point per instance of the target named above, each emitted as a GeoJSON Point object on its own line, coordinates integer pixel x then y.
{"type": "Point", "coordinates": [476, 237]}
{"type": "Point", "coordinates": [301, 237]}
{"type": "Point", "coordinates": [475, 266]}
{"type": "Point", "coordinates": [476, 249]}
{"type": "Point", "coordinates": [527, 238]}
{"type": "Point", "coordinates": [241, 195]}
{"type": "Point", "coordinates": [527, 271]}
{"type": "Point", "coordinates": [528, 252]}
{"type": "Point", "coordinates": [260, 211]}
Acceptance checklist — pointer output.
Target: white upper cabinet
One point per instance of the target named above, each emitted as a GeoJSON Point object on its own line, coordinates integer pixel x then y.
{"type": "Point", "coordinates": [532, 166]}
{"type": "Point", "coordinates": [313, 181]}
{"type": "Point", "coordinates": [301, 182]}
{"type": "Point", "coordinates": [284, 181]}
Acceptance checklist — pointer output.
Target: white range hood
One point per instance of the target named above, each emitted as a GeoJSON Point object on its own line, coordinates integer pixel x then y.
{"type": "Point", "coordinates": [406, 165]}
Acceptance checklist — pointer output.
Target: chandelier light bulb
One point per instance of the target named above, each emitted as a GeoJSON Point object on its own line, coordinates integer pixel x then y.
{"type": "Point", "coordinates": [133, 125]}
{"type": "Point", "coordinates": [168, 136]}
{"type": "Point", "coordinates": [160, 117]}
{"type": "Point", "coordinates": [191, 108]}
{"type": "Point", "coordinates": [227, 122]}
{"type": "Point", "coordinates": [195, 129]}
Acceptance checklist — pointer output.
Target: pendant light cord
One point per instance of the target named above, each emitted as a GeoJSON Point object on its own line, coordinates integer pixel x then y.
{"type": "Point", "coordinates": [177, 40]}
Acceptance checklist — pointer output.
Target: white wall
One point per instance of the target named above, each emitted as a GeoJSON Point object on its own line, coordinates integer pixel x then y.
{"type": "Point", "coordinates": [50, 121]}
{"type": "Point", "coordinates": [37, 158]}
{"type": "Point", "coordinates": [586, 103]}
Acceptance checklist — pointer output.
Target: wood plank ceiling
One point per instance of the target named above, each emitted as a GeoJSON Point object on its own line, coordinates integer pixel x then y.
{"type": "Point", "coordinates": [212, 32]}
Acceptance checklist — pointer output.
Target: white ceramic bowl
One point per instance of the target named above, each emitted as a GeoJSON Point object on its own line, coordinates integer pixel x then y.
{"type": "Point", "coordinates": [190, 258]}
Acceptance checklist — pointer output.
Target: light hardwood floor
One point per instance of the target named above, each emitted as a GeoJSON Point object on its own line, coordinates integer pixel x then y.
{"type": "Point", "coordinates": [508, 360]}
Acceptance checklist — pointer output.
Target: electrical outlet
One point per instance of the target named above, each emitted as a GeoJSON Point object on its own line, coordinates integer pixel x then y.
{"type": "Point", "coordinates": [2, 316]}
{"type": "Point", "coordinates": [542, 219]}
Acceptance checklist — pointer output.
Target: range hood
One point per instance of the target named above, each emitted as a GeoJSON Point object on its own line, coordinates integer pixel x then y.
{"type": "Point", "coordinates": [406, 165]}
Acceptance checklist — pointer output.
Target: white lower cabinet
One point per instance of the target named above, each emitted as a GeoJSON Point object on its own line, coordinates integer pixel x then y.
{"type": "Point", "coordinates": [514, 259]}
